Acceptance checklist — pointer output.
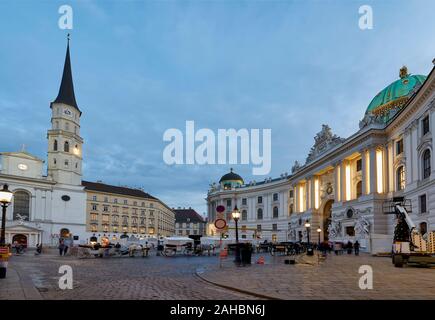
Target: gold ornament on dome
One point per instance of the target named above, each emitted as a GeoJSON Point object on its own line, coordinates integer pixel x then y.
{"type": "Point", "coordinates": [403, 72]}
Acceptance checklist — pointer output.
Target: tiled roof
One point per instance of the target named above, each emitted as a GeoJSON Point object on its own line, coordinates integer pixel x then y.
{"type": "Point", "coordinates": [101, 187]}
{"type": "Point", "coordinates": [181, 215]}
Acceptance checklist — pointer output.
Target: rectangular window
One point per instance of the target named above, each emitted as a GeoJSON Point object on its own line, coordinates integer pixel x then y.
{"type": "Point", "coordinates": [115, 200]}
{"type": "Point", "coordinates": [423, 203]}
{"type": "Point", "coordinates": [106, 199]}
{"type": "Point", "coordinates": [94, 207]}
{"type": "Point", "coordinates": [125, 202]}
{"type": "Point", "coordinates": [94, 198]}
{"type": "Point", "coordinates": [350, 231]}
{"type": "Point", "coordinates": [106, 208]}
{"type": "Point", "coordinates": [94, 217]}
{"type": "Point", "coordinates": [105, 218]}
{"type": "Point", "coordinates": [244, 202]}
{"type": "Point", "coordinates": [275, 197]}
{"type": "Point", "coordinates": [425, 123]}
{"type": "Point", "coordinates": [399, 147]}
{"type": "Point", "coordinates": [258, 227]}
{"type": "Point", "coordinates": [290, 193]}
{"type": "Point", "coordinates": [274, 227]}
{"type": "Point", "coordinates": [359, 165]}
{"type": "Point", "coordinates": [260, 199]}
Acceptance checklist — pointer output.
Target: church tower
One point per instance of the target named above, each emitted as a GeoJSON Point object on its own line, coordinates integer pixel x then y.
{"type": "Point", "coordinates": [64, 141]}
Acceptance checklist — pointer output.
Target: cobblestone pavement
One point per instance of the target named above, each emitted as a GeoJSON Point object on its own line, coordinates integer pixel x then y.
{"type": "Point", "coordinates": [153, 277]}
{"type": "Point", "coordinates": [336, 277]}
{"type": "Point", "coordinates": [183, 278]}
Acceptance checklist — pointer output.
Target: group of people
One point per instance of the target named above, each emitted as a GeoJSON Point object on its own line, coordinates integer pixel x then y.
{"type": "Point", "coordinates": [63, 247]}
{"type": "Point", "coordinates": [339, 247]}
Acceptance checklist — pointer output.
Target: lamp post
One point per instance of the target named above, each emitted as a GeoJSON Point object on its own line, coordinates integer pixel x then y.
{"type": "Point", "coordinates": [236, 216]}
{"type": "Point", "coordinates": [318, 232]}
{"type": "Point", "coordinates": [309, 248]}
{"type": "Point", "coordinates": [5, 200]}
{"type": "Point", "coordinates": [307, 226]}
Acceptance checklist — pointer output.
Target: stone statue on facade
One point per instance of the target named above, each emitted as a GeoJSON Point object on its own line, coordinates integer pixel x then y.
{"type": "Point", "coordinates": [334, 229]}
{"type": "Point", "coordinates": [323, 141]}
{"type": "Point", "coordinates": [370, 119]}
{"type": "Point", "coordinates": [362, 226]}
{"type": "Point", "coordinates": [21, 220]}
{"type": "Point", "coordinates": [296, 166]}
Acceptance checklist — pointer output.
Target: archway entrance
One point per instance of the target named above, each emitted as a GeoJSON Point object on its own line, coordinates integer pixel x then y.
{"type": "Point", "coordinates": [20, 239]}
{"type": "Point", "coordinates": [326, 219]}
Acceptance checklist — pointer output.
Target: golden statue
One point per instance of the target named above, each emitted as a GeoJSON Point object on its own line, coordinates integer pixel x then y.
{"type": "Point", "coordinates": [403, 72]}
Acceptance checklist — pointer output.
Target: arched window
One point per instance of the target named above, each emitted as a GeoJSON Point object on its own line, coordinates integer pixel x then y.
{"type": "Point", "coordinates": [426, 164]}
{"type": "Point", "coordinates": [400, 178]}
{"type": "Point", "coordinates": [423, 228]}
{"type": "Point", "coordinates": [21, 205]}
{"type": "Point", "coordinates": [66, 146]}
{"type": "Point", "coordinates": [55, 145]}
{"type": "Point", "coordinates": [275, 212]}
{"type": "Point", "coordinates": [359, 189]}
{"type": "Point", "coordinates": [244, 215]}
{"type": "Point", "coordinates": [260, 214]}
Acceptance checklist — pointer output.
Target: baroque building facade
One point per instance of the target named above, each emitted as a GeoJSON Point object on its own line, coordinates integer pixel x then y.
{"type": "Point", "coordinates": [59, 205]}
{"type": "Point", "coordinates": [343, 184]}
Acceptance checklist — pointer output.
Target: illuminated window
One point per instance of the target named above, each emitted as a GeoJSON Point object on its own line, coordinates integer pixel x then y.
{"type": "Point", "coordinates": [316, 194]}
{"type": "Point", "coordinates": [347, 176]}
{"type": "Point", "coordinates": [379, 171]}
{"type": "Point", "coordinates": [400, 176]}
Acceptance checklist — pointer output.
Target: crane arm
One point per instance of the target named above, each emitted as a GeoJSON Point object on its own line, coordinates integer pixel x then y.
{"type": "Point", "coordinates": [402, 211]}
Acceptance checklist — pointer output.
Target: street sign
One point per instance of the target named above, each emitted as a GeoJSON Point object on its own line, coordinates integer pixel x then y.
{"type": "Point", "coordinates": [220, 223]}
{"type": "Point", "coordinates": [220, 209]}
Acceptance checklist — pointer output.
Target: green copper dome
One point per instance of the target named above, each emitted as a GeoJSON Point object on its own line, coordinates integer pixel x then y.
{"type": "Point", "coordinates": [393, 97]}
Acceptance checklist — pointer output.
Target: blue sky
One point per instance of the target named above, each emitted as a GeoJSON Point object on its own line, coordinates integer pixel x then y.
{"type": "Point", "coordinates": [141, 67]}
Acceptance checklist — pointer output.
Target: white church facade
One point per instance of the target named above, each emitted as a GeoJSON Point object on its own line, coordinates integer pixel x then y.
{"type": "Point", "coordinates": [342, 186]}
{"type": "Point", "coordinates": [52, 206]}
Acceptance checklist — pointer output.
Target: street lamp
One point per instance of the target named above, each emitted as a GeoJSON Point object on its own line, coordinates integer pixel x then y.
{"type": "Point", "coordinates": [5, 200]}
{"type": "Point", "coordinates": [236, 216]}
{"type": "Point", "coordinates": [318, 232]}
{"type": "Point", "coordinates": [307, 226]}
{"type": "Point", "coordinates": [309, 249]}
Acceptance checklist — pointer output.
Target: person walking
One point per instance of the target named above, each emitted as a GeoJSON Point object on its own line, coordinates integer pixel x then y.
{"type": "Point", "coordinates": [356, 247]}
{"type": "Point", "coordinates": [61, 247]}
{"type": "Point", "coordinates": [349, 247]}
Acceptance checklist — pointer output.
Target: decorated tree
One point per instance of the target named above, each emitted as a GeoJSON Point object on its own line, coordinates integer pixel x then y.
{"type": "Point", "coordinates": [401, 232]}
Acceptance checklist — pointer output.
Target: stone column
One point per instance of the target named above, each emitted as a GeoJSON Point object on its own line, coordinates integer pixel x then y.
{"type": "Point", "coordinates": [337, 191]}
{"type": "Point", "coordinates": [343, 181]}
{"type": "Point", "coordinates": [389, 167]}
{"type": "Point", "coordinates": [313, 192]}
{"type": "Point", "coordinates": [295, 198]}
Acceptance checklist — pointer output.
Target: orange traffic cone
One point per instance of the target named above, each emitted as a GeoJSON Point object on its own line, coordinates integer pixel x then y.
{"type": "Point", "coordinates": [260, 260]}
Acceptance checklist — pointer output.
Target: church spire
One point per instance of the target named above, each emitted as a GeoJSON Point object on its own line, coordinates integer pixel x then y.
{"type": "Point", "coordinates": [66, 90]}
